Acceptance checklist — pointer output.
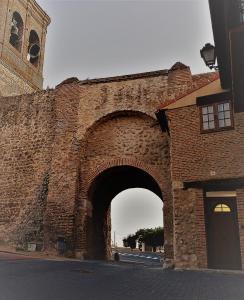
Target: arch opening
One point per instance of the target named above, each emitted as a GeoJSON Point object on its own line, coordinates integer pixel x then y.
{"type": "Point", "coordinates": [132, 210]}
{"type": "Point", "coordinates": [33, 48]}
{"type": "Point", "coordinates": [16, 32]}
{"type": "Point", "coordinates": [103, 189]}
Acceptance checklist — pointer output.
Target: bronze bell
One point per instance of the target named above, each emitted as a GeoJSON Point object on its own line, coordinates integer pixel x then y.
{"type": "Point", "coordinates": [14, 32]}
{"type": "Point", "coordinates": [34, 50]}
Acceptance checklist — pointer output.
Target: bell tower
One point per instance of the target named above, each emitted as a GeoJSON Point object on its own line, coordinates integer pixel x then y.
{"type": "Point", "coordinates": [23, 28]}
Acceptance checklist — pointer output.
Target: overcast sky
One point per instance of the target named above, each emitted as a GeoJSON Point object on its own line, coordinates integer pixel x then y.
{"type": "Point", "coordinates": [90, 39]}
{"type": "Point", "coordinates": [134, 209]}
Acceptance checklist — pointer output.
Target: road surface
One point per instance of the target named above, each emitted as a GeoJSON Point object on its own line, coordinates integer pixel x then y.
{"type": "Point", "coordinates": [22, 278]}
{"type": "Point", "coordinates": [147, 258]}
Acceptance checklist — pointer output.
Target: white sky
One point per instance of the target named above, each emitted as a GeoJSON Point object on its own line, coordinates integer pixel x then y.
{"type": "Point", "coordinates": [90, 39]}
{"type": "Point", "coordinates": [133, 209]}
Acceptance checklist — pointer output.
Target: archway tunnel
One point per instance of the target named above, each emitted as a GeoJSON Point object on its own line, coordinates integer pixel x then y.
{"type": "Point", "coordinates": [102, 190]}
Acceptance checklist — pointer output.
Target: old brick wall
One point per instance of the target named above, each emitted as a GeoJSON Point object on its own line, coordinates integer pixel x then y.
{"type": "Point", "coordinates": [197, 156]}
{"type": "Point", "coordinates": [64, 183]}
{"type": "Point", "coordinates": [184, 229]}
{"type": "Point", "coordinates": [26, 134]}
{"type": "Point", "coordinates": [12, 84]}
{"type": "Point", "coordinates": [240, 211]}
{"type": "Point", "coordinates": [130, 137]}
{"type": "Point", "coordinates": [57, 142]}
{"type": "Point", "coordinates": [98, 125]}
{"type": "Point", "coordinates": [128, 134]}
{"type": "Point", "coordinates": [189, 229]}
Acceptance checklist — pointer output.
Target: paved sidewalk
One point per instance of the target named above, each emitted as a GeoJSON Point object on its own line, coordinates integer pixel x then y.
{"type": "Point", "coordinates": [35, 279]}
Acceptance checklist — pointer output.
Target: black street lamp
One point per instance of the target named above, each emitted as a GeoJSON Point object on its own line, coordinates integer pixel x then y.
{"type": "Point", "coordinates": [208, 54]}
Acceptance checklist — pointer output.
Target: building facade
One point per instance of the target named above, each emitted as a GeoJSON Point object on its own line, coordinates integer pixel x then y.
{"type": "Point", "coordinates": [23, 28]}
{"type": "Point", "coordinates": [65, 153]}
{"type": "Point", "coordinates": [207, 162]}
{"type": "Point", "coordinates": [206, 142]}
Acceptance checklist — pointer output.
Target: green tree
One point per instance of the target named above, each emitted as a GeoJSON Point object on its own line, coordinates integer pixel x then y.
{"type": "Point", "coordinates": [130, 241]}
{"type": "Point", "coordinates": [151, 237]}
{"type": "Point", "coordinates": [125, 242]}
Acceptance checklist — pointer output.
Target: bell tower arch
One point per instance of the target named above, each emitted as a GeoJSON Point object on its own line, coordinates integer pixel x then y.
{"type": "Point", "coordinates": [23, 28]}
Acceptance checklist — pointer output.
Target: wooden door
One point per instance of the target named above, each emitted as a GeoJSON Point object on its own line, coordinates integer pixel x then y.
{"type": "Point", "coordinates": [223, 242]}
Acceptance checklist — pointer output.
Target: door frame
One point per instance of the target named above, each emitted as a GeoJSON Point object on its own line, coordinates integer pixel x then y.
{"type": "Point", "coordinates": [216, 194]}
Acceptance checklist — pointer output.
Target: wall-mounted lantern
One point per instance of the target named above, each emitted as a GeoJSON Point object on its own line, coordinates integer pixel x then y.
{"type": "Point", "coordinates": [208, 54]}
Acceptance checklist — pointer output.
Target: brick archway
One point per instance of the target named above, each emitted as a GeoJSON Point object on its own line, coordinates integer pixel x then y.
{"type": "Point", "coordinates": [150, 169]}
{"type": "Point", "coordinates": [120, 139]}
{"type": "Point", "coordinates": [84, 131]}
{"type": "Point", "coordinates": [104, 183]}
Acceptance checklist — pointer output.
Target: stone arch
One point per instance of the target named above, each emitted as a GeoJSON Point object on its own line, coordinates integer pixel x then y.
{"type": "Point", "coordinates": [128, 139]}
{"type": "Point", "coordinates": [118, 113]}
{"type": "Point", "coordinates": [83, 132]}
{"type": "Point", "coordinates": [147, 123]}
{"type": "Point", "coordinates": [150, 169]}
{"type": "Point", "coordinates": [106, 184]}
{"type": "Point", "coordinates": [84, 216]}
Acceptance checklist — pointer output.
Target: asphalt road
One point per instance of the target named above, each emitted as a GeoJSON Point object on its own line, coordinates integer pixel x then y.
{"type": "Point", "coordinates": [32, 279]}
{"type": "Point", "coordinates": [146, 258]}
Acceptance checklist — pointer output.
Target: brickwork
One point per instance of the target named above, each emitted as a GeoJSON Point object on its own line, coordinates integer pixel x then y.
{"type": "Point", "coordinates": [101, 125]}
{"type": "Point", "coordinates": [240, 208]}
{"type": "Point", "coordinates": [201, 244]}
{"type": "Point", "coordinates": [107, 144]}
{"type": "Point", "coordinates": [196, 156]}
{"type": "Point", "coordinates": [57, 143]}
{"type": "Point", "coordinates": [11, 84]}
{"type": "Point", "coordinates": [21, 75]}
{"type": "Point", "coordinates": [200, 157]}
{"type": "Point", "coordinates": [26, 125]}
{"type": "Point", "coordinates": [189, 229]}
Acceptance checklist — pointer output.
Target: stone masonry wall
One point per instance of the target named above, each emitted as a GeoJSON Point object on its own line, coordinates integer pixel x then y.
{"type": "Point", "coordinates": [81, 107]}
{"type": "Point", "coordinates": [127, 135]}
{"type": "Point", "coordinates": [189, 229]}
{"type": "Point", "coordinates": [26, 134]}
{"type": "Point", "coordinates": [80, 110]}
{"type": "Point", "coordinates": [11, 84]}
{"type": "Point", "coordinates": [130, 136]}
{"type": "Point", "coordinates": [55, 143]}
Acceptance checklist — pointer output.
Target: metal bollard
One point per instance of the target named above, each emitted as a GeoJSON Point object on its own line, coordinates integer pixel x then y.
{"type": "Point", "coordinates": [116, 256]}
